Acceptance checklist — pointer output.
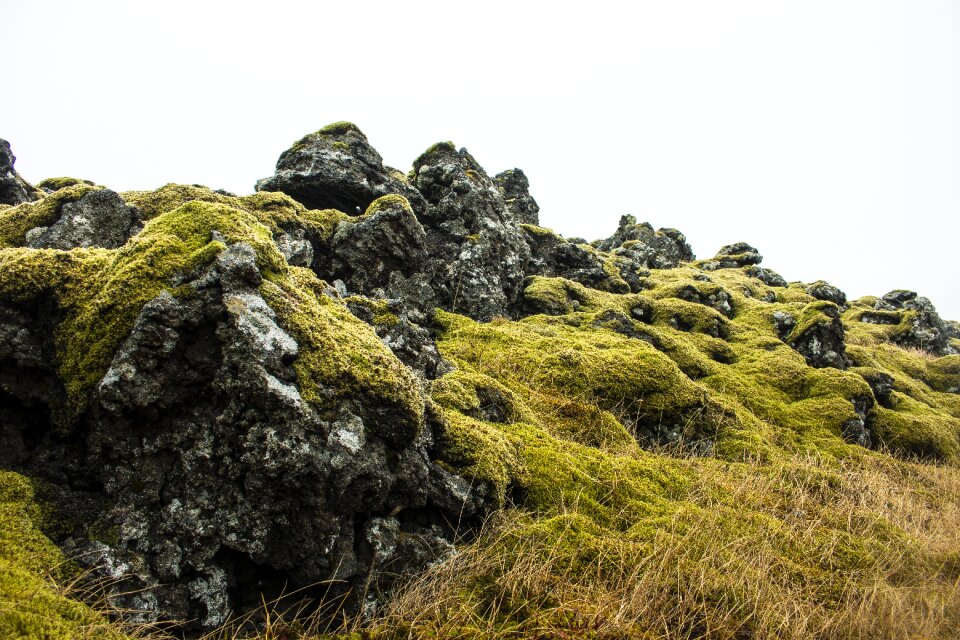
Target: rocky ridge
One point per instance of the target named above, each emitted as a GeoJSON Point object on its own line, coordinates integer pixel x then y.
{"type": "Point", "coordinates": [334, 379]}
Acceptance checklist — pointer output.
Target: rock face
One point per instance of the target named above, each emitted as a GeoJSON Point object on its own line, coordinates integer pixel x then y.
{"type": "Point", "coordinates": [662, 249]}
{"type": "Point", "coordinates": [920, 325]}
{"type": "Point", "coordinates": [515, 187]}
{"type": "Point", "coordinates": [13, 188]}
{"type": "Point", "coordinates": [818, 334]}
{"type": "Point", "coordinates": [222, 468]}
{"type": "Point", "coordinates": [336, 168]}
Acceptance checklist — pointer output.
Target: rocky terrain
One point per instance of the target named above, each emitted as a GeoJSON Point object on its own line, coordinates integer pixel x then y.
{"type": "Point", "coordinates": [329, 385]}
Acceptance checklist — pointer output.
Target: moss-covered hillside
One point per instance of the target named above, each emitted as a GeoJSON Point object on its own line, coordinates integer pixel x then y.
{"type": "Point", "coordinates": [376, 404]}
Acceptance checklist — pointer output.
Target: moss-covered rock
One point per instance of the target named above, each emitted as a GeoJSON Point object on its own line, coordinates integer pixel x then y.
{"type": "Point", "coordinates": [32, 604]}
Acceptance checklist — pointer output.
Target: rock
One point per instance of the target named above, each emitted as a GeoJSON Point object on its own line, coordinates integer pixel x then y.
{"type": "Point", "coordinates": [477, 253]}
{"type": "Point", "coordinates": [386, 239]}
{"type": "Point", "coordinates": [817, 334]}
{"type": "Point", "coordinates": [824, 291]}
{"type": "Point", "coordinates": [714, 297]}
{"type": "Point", "coordinates": [336, 168]}
{"type": "Point", "coordinates": [14, 190]}
{"type": "Point", "coordinates": [661, 249]}
{"type": "Point", "coordinates": [855, 430]}
{"type": "Point", "coordinates": [98, 219]}
{"type": "Point", "coordinates": [881, 384]}
{"type": "Point", "coordinates": [733, 256]}
{"type": "Point", "coordinates": [953, 329]}
{"type": "Point", "coordinates": [295, 247]}
{"type": "Point", "coordinates": [921, 327]}
{"type": "Point", "coordinates": [767, 276]}
{"type": "Point", "coordinates": [515, 187]}
{"type": "Point", "coordinates": [553, 256]}
{"type": "Point", "coordinates": [220, 480]}
{"type": "Point", "coordinates": [410, 342]}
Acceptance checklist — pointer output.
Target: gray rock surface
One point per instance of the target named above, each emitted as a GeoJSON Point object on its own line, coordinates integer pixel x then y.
{"type": "Point", "coordinates": [218, 481]}
{"type": "Point", "coordinates": [825, 291]}
{"type": "Point", "coordinates": [733, 256]}
{"type": "Point", "coordinates": [661, 249]}
{"type": "Point", "coordinates": [98, 219]}
{"type": "Point", "coordinates": [515, 188]}
{"type": "Point", "coordinates": [767, 276]}
{"type": "Point", "coordinates": [13, 189]}
{"type": "Point", "coordinates": [822, 342]}
{"type": "Point", "coordinates": [336, 168]}
{"type": "Point", "coordinates": [924, 329]}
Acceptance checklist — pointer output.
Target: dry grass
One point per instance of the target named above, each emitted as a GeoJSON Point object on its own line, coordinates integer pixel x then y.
{"type": "Point", "coordinates": [699, 578]}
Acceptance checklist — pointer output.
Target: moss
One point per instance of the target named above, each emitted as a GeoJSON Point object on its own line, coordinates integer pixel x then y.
{"type": "Point", "coordinates": [819, 312]}
{"type": "Point", "coordinates": [433, 151]}
{"type": "Point", "coordinates": [538, 232]}
{"type": "Point", "coordinates": [944, 374]}
{"type": "Point", "coordinates": [916, 429]}
{"type": "Point", "coordinates": [339, 128]}
{"type": "Point", "coordinates": [55, 184]}
{"type": "Point", "coordinates": [391, 201]}
{"type": "Point", "coordinates": [341, 356]}
{"type": "Point", "coordinates": [169, 197]}
{"type": "Point", "coordinates": [16, 221]}
{"type": "Point", "coordinates": [31, 605]}
{"type": "Point", "coordinates": [554, 295]}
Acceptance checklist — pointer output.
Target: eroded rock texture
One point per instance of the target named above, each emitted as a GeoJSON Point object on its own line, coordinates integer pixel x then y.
{"type": "Point", "coordinates": [13, 188]}
{"type": "Point", "coordinates": [226, 398]}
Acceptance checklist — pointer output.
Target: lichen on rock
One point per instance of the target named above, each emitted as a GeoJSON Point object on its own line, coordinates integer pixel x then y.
{"type": "Point", "coordinates": [329, 384]}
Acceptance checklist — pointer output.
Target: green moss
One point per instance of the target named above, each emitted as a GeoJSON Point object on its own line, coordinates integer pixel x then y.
{"type": "Point", "coordinates": [538, 232]}
{"type": "Point", "coordinates": [391, 201]}
{"type": "Point", "coordinates": [339, 128]}
{"type": "Point", "coordinates": [916, 429]}
{"type": "Point", "coordinates": [55, 184]}
{"type": "Point", "coordinates": [341, 356]}
{"type": "Point", "coordinates": [438, 149]}
{"type": "Point", "coordinates": [943, 374]}
{"type": "Point", "coordinates": [819, 312]}
{"type": "Point", "coordinates": [554, 295]}
{"type": "Point", "coordinates": [16, 221]}
{"type": "Point", "coordinates": [31, 605]}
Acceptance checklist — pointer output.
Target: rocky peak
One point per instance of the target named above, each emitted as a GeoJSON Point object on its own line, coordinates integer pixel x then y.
{"type": "Point", "coordinates": [336, 168]}
{"type": "Point", "coordinates": [13, 189]}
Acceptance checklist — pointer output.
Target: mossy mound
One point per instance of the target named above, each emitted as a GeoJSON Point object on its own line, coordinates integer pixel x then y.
{"type": "Point", "coordinates": [547, 408]}
{"type": "Point", "coordinates": [32, 604]}
{"type": "Point", "coordinates": [666, 436]}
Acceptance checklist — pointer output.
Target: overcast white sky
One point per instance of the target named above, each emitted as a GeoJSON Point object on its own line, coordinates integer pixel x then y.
{"type": "Point", "coordinates": [824, 132]}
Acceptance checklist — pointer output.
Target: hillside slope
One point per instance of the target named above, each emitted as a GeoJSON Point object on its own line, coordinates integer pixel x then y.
{"type": "Point", "coordinates": [355, 376]}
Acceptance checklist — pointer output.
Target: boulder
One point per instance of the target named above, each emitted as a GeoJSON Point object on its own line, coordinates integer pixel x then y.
{"type": "Point", "coordinates": [336, 168]}
{"type": "Point", "coordinates": [920, 327]}
{"type": "Point", "coordinates": [221, 468]}
{"type": "Point", "coordinates": [825, 291]}
{"type": "Point", "coordinates": [733, 256]}
{"type": "Point", "coordinates": [515, 187]}
{"type": "Point", "coordinates": [98, 219]}
{"type": "Point", "coordinates": [661, 249]}
{"type": "Point", "coordinates": [14, 190]}
{"type": "Point", "coordinates": [478, 254]}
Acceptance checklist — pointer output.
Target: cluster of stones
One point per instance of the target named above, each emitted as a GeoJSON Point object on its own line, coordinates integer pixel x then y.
{"type": "Point", "coordinates": [204, 519]}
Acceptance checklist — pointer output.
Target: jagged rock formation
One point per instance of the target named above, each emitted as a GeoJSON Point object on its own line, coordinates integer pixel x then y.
{"type": "Point", "coordinates": [330, 380]}
{"type": "Point", "coordinates": [13, 188]}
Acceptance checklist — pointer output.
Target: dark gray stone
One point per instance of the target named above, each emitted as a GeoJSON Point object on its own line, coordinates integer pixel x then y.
{"type": "Point", "coordinates": [98, 219]}
{"type": "Point", "coordinates": [515, 187]}
{"type": "Point", "coordinates": [14, 190]}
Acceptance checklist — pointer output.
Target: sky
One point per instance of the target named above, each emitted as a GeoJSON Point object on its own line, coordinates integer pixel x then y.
{"type": "Point", "coordinates": [826, 133]}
